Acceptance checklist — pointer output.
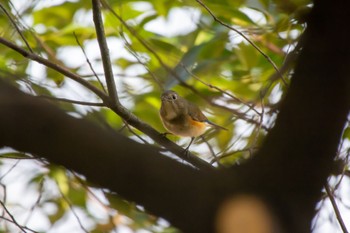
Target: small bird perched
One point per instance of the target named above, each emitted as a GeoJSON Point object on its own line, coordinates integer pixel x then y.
{"type": "Point", "coordinates": [183, 118]}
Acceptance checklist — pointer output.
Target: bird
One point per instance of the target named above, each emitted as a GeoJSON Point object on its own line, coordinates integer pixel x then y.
{"type": "Point", "coordinates": [183, 118]}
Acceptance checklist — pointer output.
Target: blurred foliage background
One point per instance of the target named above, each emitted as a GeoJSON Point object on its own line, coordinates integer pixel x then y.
{"type": "Point", "coordinates": [218, 54]}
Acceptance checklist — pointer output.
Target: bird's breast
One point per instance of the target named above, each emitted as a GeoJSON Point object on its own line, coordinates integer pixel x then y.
{"type": "Point", "coordinates": [184, 126]}
{"type": "Point", "coordinates": [170, 110]}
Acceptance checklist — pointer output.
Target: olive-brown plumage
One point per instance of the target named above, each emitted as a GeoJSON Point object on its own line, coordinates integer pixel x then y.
{"type": "Point", "coordinates": [181, 117]}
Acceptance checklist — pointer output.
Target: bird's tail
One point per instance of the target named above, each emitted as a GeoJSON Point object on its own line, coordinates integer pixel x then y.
{"type": "Point", "coordinates": [216, 126]}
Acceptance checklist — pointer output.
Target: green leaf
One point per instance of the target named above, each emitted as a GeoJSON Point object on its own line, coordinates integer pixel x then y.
{"type": "Point", "coordinates": [247, 55]}
{"type": "Point", "coordinates": [58, 214]}
{"type": "Point", "coordinates": [186, 62]}
{"type": "Point", "coordinates": [58, 78]}
{"type": "Point", "coordinates": [346, 133]}
{"type": "Point", "coordinates": [59, 175]}
{"type": "Point", "coordinates": [56, 16]}
{"type": "Point", "coordinates": [13, 155]}
{"type": "Point", "coordinates": [40, 90]}
{"type": "Point", "coordinates": [77, 195]}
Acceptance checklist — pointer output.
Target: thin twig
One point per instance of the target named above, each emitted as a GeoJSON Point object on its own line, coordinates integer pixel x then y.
{"type": "Point", "coordinates": [336, 209]}
{"type": "Point", "coordinates": [345, 161]}
{"type": "Point", "coordinates": [13, 220]}
{"type": "Point", "coordinates": [235, 112]}
{"type": "Point", "coordinates": [101, 38]}
{"type": "Point", "coordinates": [143, 42]}
{"type": "Point", "coordinates": [94, 196]}
{"type": "Point", "coordinates": [9, 170]}
{"type": "Point", "coordinates": [72, 101]}
{"type": "Point", "coordinates": [16, 27]}
{"type": "Point", "coordinates": [72, 209]}
{"type": "Point", "coordinates": [54, 66]}
{"type": "Point", "coordinates": [288, 61]}
{"type": "Point", "coordinates": [30, 213]}
{"type": "Point", "coordinates": [258, 129]}
{"type": "Point", "coordinates": [131, 50]}
{"type": "Point", "coordinates": [23, 227]}
{"type": "Point", "coordinates": [88, 61]}
{"type": "Point", "coordinates": [219, 89]}
{"type": "Point", "coordinates": [133, 132]}
{"type": "Point", "coordinates": [212, 151]}
{"type": "Point", "coordinates": [227, 148]}
{"type": "Point", "coordinates": [249, 149]}
{"type": "Point", "coordinates": [4, 196]}
{"type": "Point", "coordinates": [246, 38]}
{"type": "Point", "coordinates": [115, 75]}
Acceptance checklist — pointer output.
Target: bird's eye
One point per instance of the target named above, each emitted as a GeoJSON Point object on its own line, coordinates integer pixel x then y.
{"type": "Point", "coordinates": [174, 97]}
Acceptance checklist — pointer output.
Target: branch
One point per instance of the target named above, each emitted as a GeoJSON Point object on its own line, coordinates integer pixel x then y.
{"type": "Point", "coordinates": [135, 171]}
{"type": "Point", "coordinates": [23, 228]}
{"type": "Point", "coordinates": [121, 110]}
{"type": "Point", "coordinates": [12, 219]}
{"type": "Point", "coordinates": [88, 61]}
{"type": "Point", "coordinates": [215, 157]}
{"type": "Point", "coordinates": [58, 68]}
{"type": "Point", "coordinates": [172, 72]}
{"type": "Point", "coordinates": [9, 170]}
{"type": "Point", "coordinates": [16, 27]}
{"type": "Point", "coordinates": [101, 38]}
{"type": "Point", "coordinates": [118, 109]}
{"type": "Point", "coordinates": [159, 138]}
{"type": "Point", "coordinates": [136, 56]}
{"type": "Point", "coordinates": [220, 90]}
{"type": "Point", "coordinates": [72, 101]}
{"type": "Point", "coordinates": [234, 112]}
{"type": "Point", "coordinates": [287, 64]}
{"type": "Point", "coordinates": [71, 208]}
{"type": "Point", "coordinates": [336, 209]}
{"type": "Point", "coordinates": [37, 202]}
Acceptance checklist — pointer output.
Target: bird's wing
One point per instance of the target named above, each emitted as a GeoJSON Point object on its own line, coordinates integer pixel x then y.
{"type": "Point", "coordinates": [195, 113]}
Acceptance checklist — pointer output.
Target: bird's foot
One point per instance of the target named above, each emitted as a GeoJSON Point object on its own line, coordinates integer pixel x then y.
{"type": "Point", "coordinates": [186, 152]}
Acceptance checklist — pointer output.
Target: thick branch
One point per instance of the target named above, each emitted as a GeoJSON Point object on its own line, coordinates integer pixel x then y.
{"type": "Point", "coordinates": [135, 171]}
{"type": "Point", "coordinates": [336, 209]}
